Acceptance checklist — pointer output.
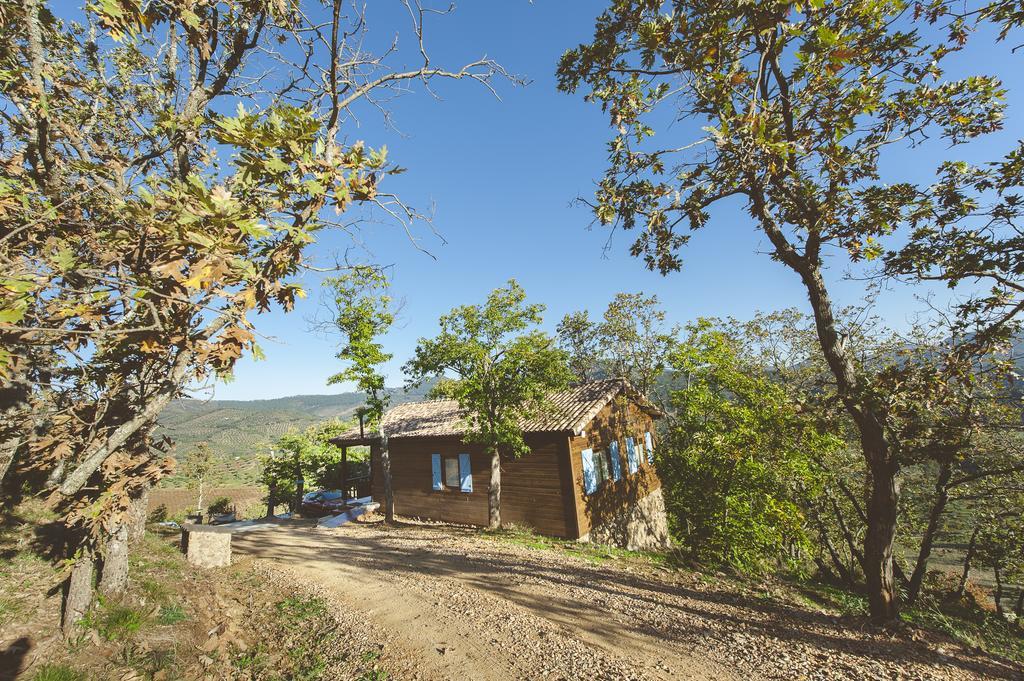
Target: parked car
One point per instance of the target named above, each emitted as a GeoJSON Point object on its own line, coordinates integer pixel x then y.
{"type": "Point", "coordinates": [323, 502]}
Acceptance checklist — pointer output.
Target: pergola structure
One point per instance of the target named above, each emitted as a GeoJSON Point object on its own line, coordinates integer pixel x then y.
{"type": "Point", "coordinates": [357, 437]}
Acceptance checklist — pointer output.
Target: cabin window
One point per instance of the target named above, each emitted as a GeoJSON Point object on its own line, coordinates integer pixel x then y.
{"type": "Point", "coordinates": [601, 466]}
{"type": "Point", "coordinates": [613, 454]}
{"type": "Point", "coordinates": [649, 445]}
{"type": "Point", "coordinates": [589, 472]}
{"type": "Point", "coordinates": [596, 469]}
{"type": "Point", "coordinates": [451, 472]}
{"type": "Point", "coordinates": [632, 456]}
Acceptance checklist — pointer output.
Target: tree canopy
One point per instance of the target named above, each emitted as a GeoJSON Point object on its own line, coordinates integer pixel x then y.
{"type": "Point", "coordinates": [498, 366]}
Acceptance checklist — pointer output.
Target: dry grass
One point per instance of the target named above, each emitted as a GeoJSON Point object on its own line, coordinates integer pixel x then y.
{"type": "Point", "coordinates": [175, 621]}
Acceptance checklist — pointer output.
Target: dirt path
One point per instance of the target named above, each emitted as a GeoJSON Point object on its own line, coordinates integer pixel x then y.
{"type": "Point", "coordinates": [464, 607]}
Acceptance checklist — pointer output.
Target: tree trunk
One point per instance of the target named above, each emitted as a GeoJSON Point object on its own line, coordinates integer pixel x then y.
{"type": "Point", "coordinates": [385, 469]}
{"type": "Point", "coordinates": [998, 595]}
{"type": "Point", "coordinates": [843, 573]}
{"type": "Point", "coordinates": [137, 515]}
{"type": "Point", "coordinates": [300, 487]}
{"type": "Point", "coordinates": [851, 543]}
{"type": "Point", "coordinates": [97, 453]}
{"type": "Point", "coordinates": [114, 576]}
{"type": "Point", "coordinates": [494, 493]}
{"type": "Point", "coordinates": [884, 498]}
{"type": "Point", "coordinates": [8, 452]}
{"type": "Point", "coordinates": [199, 501]}
{"type": "Point", "coordinates": [879, 541]}
{"type": "Point", "coordinates": [271, 499]}
{"type": "Point", "coordinates": [934, 525]}
{"type": "Point", "coordinates": [1018, 609]}
{"type": "Point", "coordinates": [78, 596]}
{"type": "Point", "coordinates": [972, 546]}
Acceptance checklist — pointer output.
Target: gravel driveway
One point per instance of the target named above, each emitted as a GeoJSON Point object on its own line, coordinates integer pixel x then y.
{"type": "Point", "coordinates": [460, 606]}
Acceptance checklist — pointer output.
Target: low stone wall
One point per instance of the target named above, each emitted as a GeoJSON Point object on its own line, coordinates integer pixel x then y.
{"type": "Point", "coordinates": [206, 546]}
{"type": "Point", "coordinates": [641, 527]}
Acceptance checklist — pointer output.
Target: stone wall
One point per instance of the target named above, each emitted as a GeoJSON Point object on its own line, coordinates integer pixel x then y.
{"type": "Point", "coordinates": [640, 527]}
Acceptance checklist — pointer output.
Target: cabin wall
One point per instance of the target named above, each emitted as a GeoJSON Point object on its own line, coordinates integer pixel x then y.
{"type": "Point", "coordinates": [629, 512]}
{"type": "Point", "coordinates": [536, 489]}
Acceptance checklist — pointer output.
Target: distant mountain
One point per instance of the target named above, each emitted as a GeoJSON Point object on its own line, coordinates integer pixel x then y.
{"type": "Point", "coordinates": [238, 430]}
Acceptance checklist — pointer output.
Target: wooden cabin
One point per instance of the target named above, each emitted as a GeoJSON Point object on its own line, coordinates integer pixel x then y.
{"type": "Point", "coordinates": [589, 474]}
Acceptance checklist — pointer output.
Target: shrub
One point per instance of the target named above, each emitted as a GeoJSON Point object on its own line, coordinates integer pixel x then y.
{"type": "Point", "coordinates": [158, 514]}
{"type": "Point", "coordinates": [219, 505]}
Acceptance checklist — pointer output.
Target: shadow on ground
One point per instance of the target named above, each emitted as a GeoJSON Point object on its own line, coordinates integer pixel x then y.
{"type": "Point", "coordinates": [569, 592]}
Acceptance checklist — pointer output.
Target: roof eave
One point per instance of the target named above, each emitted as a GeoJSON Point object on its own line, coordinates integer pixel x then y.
{"type": "Point", "coordinates": [354, 441]}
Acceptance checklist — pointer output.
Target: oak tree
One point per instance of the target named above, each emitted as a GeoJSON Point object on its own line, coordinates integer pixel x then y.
{"type": "Point", "coordinates": [500, 368]}
{"type": "Point", "coordinates": [164, 167]}
{"type": "Point", "coordinates": [799, 102]}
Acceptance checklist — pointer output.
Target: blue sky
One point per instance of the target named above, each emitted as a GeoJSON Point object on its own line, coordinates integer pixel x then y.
{"type": "Point", "coordinates": [502, 176]}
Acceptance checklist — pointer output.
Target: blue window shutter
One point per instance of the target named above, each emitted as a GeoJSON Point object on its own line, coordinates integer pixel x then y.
{"type": "Point", "coordinates": [465, 473]}
{"type": "Point", "coordinates": [435, 464]}
{"type": "Point", "coordinates": [613, 450]}
{"type": "Point", "coordinates": [589, 474]}
{"type": "Point", "coordinates": [650, 447]}
{"type": "Point", "coordinates": [632, 459]}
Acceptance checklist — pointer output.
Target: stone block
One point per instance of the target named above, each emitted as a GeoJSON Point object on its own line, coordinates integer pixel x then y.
{"type": "Point", "coordinates": [206, 546]}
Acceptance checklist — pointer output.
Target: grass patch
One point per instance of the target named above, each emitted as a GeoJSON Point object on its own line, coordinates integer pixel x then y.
{"type": "Point", "coordinates": [975, 627]}
{"type": "Point", "coordinates": [146, 661]}
{"type": "Point", "coordinates": [297, 609]}
{"type": "Point", "coordinates": [171, 614]}
{"type": "Point", "coordinates": [970, 625]}
{"type": "Point", "coordinates": [10, 609]}
{"type": "Point", "coordinates": [58, 672]}
{"type": "Point", "coordinates": [841, 601]}
{"type": "Point", "coordinates": [371, 672]}
{"type": "Point", "coordinates": [154, 589]}
{"type": "Point", "coordinates": [593, 553]}
{"type": "Point", "coordinates": [115, 621]}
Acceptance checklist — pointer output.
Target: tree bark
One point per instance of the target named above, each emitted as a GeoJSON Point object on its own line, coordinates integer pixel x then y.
{"type": "Point", "coordinates": [843, 573]}
{"type": "Point", "coordinates": [385, 469]}
{"type": "Point", "coordinates": [998, 595]}
{"type": "Point", "coordinates": [934, 525]}
{"type": "Point", "coordinates": [882, 466]}
{"type": "Point", "coordinates": [879, 540]}
{"type": "Point", "coordinates": [972, 546]}
{"type": "Point", "coordinates": [851, 543]}
{"type": "Point", "coordinates": [95, 454]}
{"type": "Point", "coordinates": [137, 515]}
{"type": "Point", "coordinates": [295, 505]}
{"type": "Point", "coordinates": [271, 499]}
{"type": "Point", "coordinates": [199, 501]}
{"type": "Point", "coordinates": [114, 576]}
{"type": "Point", "coordinates": [494, 493]}
{"type": "Point", "coordinates": [78, 595]}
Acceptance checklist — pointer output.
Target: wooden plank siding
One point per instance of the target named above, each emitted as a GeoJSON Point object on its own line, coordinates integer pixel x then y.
{"type": "Point", "coordinates": [533, 490]}
{"type": "Point", "coordinates": [619, 419]}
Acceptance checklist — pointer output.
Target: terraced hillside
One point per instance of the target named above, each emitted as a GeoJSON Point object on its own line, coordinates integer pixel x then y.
{"type": "Point", "coordinates": [239, 430]}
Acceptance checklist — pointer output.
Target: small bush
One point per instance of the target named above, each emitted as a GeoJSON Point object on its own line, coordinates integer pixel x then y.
{"type": "Point", "coordinates": [158, 514]}
{"type": "Point", "coordinates": [58, 672]}
{"type": "Point", "coordinates": [219, 505]}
